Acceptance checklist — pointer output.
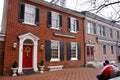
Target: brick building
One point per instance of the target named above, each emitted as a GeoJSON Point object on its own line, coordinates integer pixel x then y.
{"type": "Point", "coordinates": [36, 30]}
{"type": "Point", "coordinates": [102, 38]}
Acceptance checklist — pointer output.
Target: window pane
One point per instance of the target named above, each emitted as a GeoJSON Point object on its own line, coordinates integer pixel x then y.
{"type": "Point", "coordinates": [54, 49]}
{"type": "Point", "coordinates": [73, 25]}
{"type": "Point", "coordinates": [88, 27]}
{"type": "Point", "coordinates": [55, 20]}
{"type": "Point", "coordinates": [29, 14]}
{"type": "Point", "coordinates": [104, 49]}
{"type": "Point", "coordinates": [73, 50]}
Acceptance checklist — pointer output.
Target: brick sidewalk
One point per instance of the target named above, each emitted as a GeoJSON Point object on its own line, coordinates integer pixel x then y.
{"type": "Point", "coordinates": [81, 73]}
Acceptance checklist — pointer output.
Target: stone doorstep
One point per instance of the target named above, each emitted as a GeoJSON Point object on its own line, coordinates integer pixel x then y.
{"type": "Point", "coordinates": [55, 68]}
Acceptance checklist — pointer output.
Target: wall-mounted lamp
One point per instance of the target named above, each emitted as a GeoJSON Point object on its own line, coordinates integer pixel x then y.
{"type": "Point", "coordinates": [14, 45]}
{"type": "Point", "coordinates": [41, 47]}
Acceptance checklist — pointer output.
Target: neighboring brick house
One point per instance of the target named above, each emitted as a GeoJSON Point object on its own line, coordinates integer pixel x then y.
{"type": "Point", "coordinates": [101, 39]}
{"type": "Point", "coordinates": [37, 30]}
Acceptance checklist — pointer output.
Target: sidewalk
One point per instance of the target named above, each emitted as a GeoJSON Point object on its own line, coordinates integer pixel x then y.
{"type": "Point", "coordinates": [79, 73]}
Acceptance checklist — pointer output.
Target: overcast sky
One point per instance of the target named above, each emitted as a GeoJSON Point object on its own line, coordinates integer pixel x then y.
{"type": "Point", "coordinates": [111, 12]}
{"type": "Point", "coordinates": [79, 5]}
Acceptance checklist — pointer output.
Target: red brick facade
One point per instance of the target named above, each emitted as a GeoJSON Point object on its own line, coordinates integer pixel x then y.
{"type": "Point", "coordinates": [1, 56]}
{"type": "Point", "coordinates": [15, 28]}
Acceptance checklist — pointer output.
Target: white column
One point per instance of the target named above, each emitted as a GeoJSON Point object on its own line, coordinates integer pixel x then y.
{"type": "Point", "coordinates": [35, 68]}
{"type": "Point", "coordinates": [20, 57]}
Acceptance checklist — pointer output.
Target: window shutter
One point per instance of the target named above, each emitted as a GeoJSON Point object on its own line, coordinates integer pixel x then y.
{"type": "Point", "coordinates": [48, 50]}
{"type": "Point", "coordinates": [61, 51]}
{"type": "Point", "coordinates": [37, 16]}
{"type": "Point", "coordinates": [49, 19]}
{"type": "Point", "coordinates": [69, 25]}
{"type": "Point", "coordinates": [68, 51]}
{"type": "Point", "coordinates": [60, 21]}
{"type": "Point", "coordinates": [78, 51]}
{"type": "Point", "coordinates": [77, 23]}
{"type": "Point", "coordinates": [22, 10]}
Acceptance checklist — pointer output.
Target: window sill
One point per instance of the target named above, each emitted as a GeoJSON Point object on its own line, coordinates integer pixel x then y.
{"type": "Point", "coordinates": [29, 23]}
{"type": "Point", "coordinates": [55, 28]}
{"type": "Point", "coordinates": [74, 59]}
{"type": "Point", "coordinates": [73, 32]}
{"type": "Point", "coordinates": [54, 60]}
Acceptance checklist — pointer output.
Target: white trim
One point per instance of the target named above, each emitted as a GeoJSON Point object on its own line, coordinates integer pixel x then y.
{"type": "Point", "coordinates": [101, 23]}
{"type": "Point", "coordinates": [22, 38]}
{"type": "Point", "coordinates": [29, 23]}
{"type": "Point", "coordinates": [90, 44]}
{"type": "Point", "coordinates": [106, 42]}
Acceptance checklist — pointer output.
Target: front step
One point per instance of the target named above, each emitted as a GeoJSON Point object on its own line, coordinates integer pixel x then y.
{"type": "Point", "coordinates": [28, 71]}
{"type": "Point", "coordinates": [90, 64]}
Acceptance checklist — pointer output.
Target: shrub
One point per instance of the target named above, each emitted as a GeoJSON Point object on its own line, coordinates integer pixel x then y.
{"type": "Point", "coordinates": [41, 63]}
{"type": "Point", "coordinates": [15, 64]}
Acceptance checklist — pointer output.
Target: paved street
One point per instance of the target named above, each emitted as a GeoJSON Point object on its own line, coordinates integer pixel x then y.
{"type": "Point", "coordinates": [79, 73]}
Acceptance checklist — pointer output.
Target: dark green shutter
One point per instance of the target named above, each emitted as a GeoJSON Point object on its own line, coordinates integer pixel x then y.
{"type": "Point", "coordinates": [60, 21]}
{"type": "Point", "coordinates": [61, 51]}
{"type": "Point", "coordinates": [49, 19]}
{"type": "Point", "coordinates": [69, 25]}
{"type": "Point", "coordinates": [68, 51]}
{"type": "Point", "coordinates": [37, 16]}
{"type": "Point", "coordinates": [22, 10]}
{"type": "Point", "coordinates": [78, 51]}
{"type": "Point", "coordinates": [77, 23]}
{"type": "Point", "coordinates": [48, 50]}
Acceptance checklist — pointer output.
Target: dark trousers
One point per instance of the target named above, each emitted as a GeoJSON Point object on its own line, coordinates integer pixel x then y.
{"type": "Point", "coordinates": [101, 77]}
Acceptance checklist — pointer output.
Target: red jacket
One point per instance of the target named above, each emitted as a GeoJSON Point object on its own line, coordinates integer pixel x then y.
{"type": "Point", "coordinates": [107, 70]}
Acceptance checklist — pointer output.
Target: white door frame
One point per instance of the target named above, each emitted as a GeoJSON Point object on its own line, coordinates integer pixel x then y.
{"type": "Point", "coordinates": [22, 38]}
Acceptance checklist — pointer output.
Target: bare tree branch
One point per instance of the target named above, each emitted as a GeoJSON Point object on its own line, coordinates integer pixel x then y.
{"type": "Point", "coordinates": [105, 5]}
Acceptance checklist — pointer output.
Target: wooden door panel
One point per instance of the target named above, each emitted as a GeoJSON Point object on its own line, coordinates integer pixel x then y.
{"type": "Point", "coordinates": [90, 53]}
{"type": "Point", "coordinates": [27, 56]}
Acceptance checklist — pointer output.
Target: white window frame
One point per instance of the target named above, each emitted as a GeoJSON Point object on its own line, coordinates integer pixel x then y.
{"type": "Point", "coordinates": [55, 19]}
{"type": "Point", "coordinates": [26, 18]}
{"type": "Point", "coordinates": [74, 58]}
{"type": "Point", "coordinates": [52, 43]}
{"type": "Point", "coordinates": [90, 27]}
{"type": "Point", "coordinates": [73, 23]}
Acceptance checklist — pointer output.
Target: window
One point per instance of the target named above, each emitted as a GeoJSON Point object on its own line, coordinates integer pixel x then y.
{"type": "Point", "coordinates": [91, 28]}
{"type": "Point", "coordinates": [54, 20]}
{"type": "Point", "coordinates": [73, 25]}
{"type": "Point", "coordinates": [98, 29]}
{"type": "Point", "coordinates": [112, 50]}
{"type": "Point", "coordinates": [104, 49]}
{"type": "Point", "coordinates": [111, 33]}
{"type": "Point", "coordinates": [29, 14]}
{"type": "Point", "coordinates": [118, 35]}
{"type": "Point", "coordinates": [54, 50]}
{"type": "Point", "coordinates": [101, 30]}
{"type": "Point", "coordinates": [73, 51]}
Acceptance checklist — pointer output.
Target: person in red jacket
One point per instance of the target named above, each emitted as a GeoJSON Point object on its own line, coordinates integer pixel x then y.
{"type": "Point", "coordinates": [105, 72]}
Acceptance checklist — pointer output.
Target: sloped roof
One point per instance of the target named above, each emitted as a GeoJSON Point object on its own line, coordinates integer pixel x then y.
{"type": "Point", "coordinates": [98, 18]}
{"type": "Point", "coordinates": [56, 7]}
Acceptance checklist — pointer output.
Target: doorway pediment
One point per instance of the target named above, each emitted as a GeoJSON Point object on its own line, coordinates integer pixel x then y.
{"type": "Point", "coordinates": [28, 36]}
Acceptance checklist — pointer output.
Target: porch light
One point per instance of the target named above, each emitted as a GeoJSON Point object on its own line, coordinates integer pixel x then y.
{"type": "Point", "coordinates": [14, 45]}
{"type": "Point", "coordinates": [41, 47]}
